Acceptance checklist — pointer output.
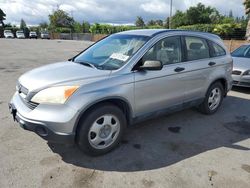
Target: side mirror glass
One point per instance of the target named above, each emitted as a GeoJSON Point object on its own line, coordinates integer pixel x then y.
{"type": "Point", "coordinates": [151, 65]}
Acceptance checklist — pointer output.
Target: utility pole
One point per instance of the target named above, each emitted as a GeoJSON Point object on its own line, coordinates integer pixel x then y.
{"type": "Point", "coordinates": [170, 16]}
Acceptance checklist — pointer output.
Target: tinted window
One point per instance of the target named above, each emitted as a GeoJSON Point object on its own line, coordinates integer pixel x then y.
{"type": "Point", "coordinates": [216, 50]}
{"type": "Point", "coordinates": [243, 51]}
{"type": "Point", "coordinates": [167, 50]}
{"type": "Point", "coordinates": [197, 48]}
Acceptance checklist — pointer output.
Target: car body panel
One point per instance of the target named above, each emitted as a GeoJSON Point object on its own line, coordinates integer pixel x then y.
{"type": "Point", "coordinates": [55, 74]}
{"type": "Point", "coordinates": [240, 66]}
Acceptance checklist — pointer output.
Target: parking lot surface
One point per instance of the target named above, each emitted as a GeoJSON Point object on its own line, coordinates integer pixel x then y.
{"type": "Point", "coordinates": [184, 149]}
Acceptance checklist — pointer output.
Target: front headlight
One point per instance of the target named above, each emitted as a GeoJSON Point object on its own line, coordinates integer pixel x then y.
{"type": "Point", "coordinates": [247, 73]}
{"type": "Point", "coordinates": [58, 94]}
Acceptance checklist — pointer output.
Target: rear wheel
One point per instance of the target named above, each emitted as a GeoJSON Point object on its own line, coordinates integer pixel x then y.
{"type": "Point", "coordinates": [101, 130]}
{"type": "Point", "coordinates": [213, 99]}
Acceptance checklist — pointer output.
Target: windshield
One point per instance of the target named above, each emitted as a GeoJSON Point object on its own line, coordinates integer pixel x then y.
{"type": "Point", "coordinates": [7, 31]}
{"type": "Point", "coordinates": [112, 52]}
{"type": "Point", "coordinates": [243, 51]}
{"type": "Point", "coordinates": [19, 32]}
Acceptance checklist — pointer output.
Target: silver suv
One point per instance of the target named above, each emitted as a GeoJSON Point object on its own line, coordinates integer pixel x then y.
{"type": "Point", "coordinates": [122, 79]}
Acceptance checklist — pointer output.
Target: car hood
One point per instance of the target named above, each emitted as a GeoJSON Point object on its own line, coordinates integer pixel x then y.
{"type": "Point", "coordinates": [240, 63]}
{"type": "Point", "coordinates": [59, 74]}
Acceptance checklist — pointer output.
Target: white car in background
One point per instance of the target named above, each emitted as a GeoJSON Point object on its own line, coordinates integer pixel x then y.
{"type": "Point", "coordinates": [8, 34]}
{"type": "Point", "coordinates": [20, 35]}
{"type": "Point", "coordinates": [33, 35]}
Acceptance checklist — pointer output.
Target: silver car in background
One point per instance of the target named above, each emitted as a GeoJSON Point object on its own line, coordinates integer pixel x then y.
{"type": "Point", "coordinates": [45, 35]}
{"type": "Point", "coordinates": [241, 66]}
{"type": "Point", "coordinates": [123, 79]}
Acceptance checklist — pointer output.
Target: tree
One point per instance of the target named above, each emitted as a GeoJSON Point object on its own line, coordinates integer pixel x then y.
{"type": "Point", "coordinates": [2, 17]}
{"type": "Point", "coordinates": [247, 6]}
{"type": "Point", "coordinates": [247, 11]}
{"type": "Point", "coordinates": [139, 22]}
{"type": "Point", "coordinates": [95, 28]}
{"type": "Point", "coordinates": [43, 25]}
{"type": "Point", "coordinates": [166, 23]}
{"type": "Point", "coordinates": [22, 25]}
{"type": "Point", "coordinates": [230, 14]}
{"type": "Point", "coordinates": [199, 14]}
{"type": "Point", "coordinates": [60, 18]}
{"type": "Point", "coordinates": [179, 19]}
{"type": "Point", "coordinates": [85, 27]}
{"type": "Point", "coordinates": [77, 27]}
{"type": "Point", "coordinates": [215, 17]}
{"type": "Point", "coordinates": [151, 22]}
{"type": "Point", "coordinates": [159, 22]}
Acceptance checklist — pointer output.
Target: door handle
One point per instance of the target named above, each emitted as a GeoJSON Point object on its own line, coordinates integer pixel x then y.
{"type": "Point", "coordinates": [179, 69]}
{"type": "Point", "coordinates": [211, 63]}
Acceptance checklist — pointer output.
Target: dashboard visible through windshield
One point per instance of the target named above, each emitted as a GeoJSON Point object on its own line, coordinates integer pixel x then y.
{"type": "Point", "coordinates": [112, 52]}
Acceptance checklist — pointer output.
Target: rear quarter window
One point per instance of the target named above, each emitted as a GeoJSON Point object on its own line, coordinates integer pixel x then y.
{"type": "Point", "coordinates": [216, 50]}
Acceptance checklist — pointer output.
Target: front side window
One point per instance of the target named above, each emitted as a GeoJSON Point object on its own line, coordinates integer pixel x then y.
{"type": "Point", "coordinates": [197, 48]}
{"type": "Point", "coordinates": [112, 52]}
{"type": "Point", "coordinates": [167, 50]}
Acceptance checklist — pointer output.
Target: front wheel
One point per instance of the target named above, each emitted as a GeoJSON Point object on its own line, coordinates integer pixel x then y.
{"type": "Point", "coordinates": [213, 99]}
{"type": "Point", "coordinates": [101, 130]}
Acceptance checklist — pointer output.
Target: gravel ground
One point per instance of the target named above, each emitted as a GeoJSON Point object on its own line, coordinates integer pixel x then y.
{"type": "Point", "coordinates": [184, 149]}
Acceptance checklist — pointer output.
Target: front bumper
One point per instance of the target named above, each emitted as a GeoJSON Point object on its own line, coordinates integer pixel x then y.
{"type": "Point", "coordinates": [242, 81]}
{"type": "Point", "coordinates": [54, 123]}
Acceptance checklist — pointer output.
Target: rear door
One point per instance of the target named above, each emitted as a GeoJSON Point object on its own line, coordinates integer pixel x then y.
{"type": "Point", "coordinates": [197, 67]}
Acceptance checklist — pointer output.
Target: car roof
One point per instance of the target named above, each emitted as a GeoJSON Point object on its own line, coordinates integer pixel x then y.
{"type": "Point", "coordinates": [154, 32]}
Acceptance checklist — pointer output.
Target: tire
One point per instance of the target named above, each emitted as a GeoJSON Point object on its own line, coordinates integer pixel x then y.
{"type": "Point", "coordinates": [99, 127]}
{"type": "Point", "coordinates": [210, 105]}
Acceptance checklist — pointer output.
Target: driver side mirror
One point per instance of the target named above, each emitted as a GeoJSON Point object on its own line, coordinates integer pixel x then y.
{"type": "Point", "coordinates": [151, 65]}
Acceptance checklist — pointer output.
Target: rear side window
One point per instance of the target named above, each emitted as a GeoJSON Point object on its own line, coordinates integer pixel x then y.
{"type": "Point", "coordinates": [167, 50]}
{"type": "Point", "coordinates": [197, 48]}
{"type": "Point", "coordinates": [216, 50]}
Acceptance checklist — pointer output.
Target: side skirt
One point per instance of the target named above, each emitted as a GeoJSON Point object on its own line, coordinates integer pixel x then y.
{"type": "Point", "coordinates": [165, 111]}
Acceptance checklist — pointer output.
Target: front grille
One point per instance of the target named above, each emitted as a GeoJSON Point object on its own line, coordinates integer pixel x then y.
{"type": "Point", "coordinates": [23, 92]}
{"type": "Point", "coordinates": [245, 83]}
{"type": "Point", "coordinates": [29, 104]}
{"type": "Point", "coordinates": [235, 82]}
{"type": "Point", "coordinates": [236, 72]}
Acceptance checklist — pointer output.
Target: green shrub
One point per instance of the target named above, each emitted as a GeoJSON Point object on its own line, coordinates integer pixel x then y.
{"type": "Point", "coordinates": [199, 27]}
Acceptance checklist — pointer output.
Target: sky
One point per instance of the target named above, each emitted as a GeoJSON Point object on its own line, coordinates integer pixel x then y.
{"type": "Point", "coordinates": [107, 11]}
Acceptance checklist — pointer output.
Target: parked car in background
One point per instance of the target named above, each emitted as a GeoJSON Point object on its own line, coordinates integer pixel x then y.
{"type": "Point", "coordinates": [120, 80]}
{"type": "Point", "coordinates": [33, 35]}
{"type": "Point", "coordinates": [20, 35]}
{"type": "Point", "coordinates": [241, 66]}
{"type": "Point", "coordinates": [8, 34]}
{"type": "Point", "coordinates": [45, 35]}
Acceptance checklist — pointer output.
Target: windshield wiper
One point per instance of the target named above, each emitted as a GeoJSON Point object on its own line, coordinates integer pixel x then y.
{"type": "Point", "coordinates": [87, 64]}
